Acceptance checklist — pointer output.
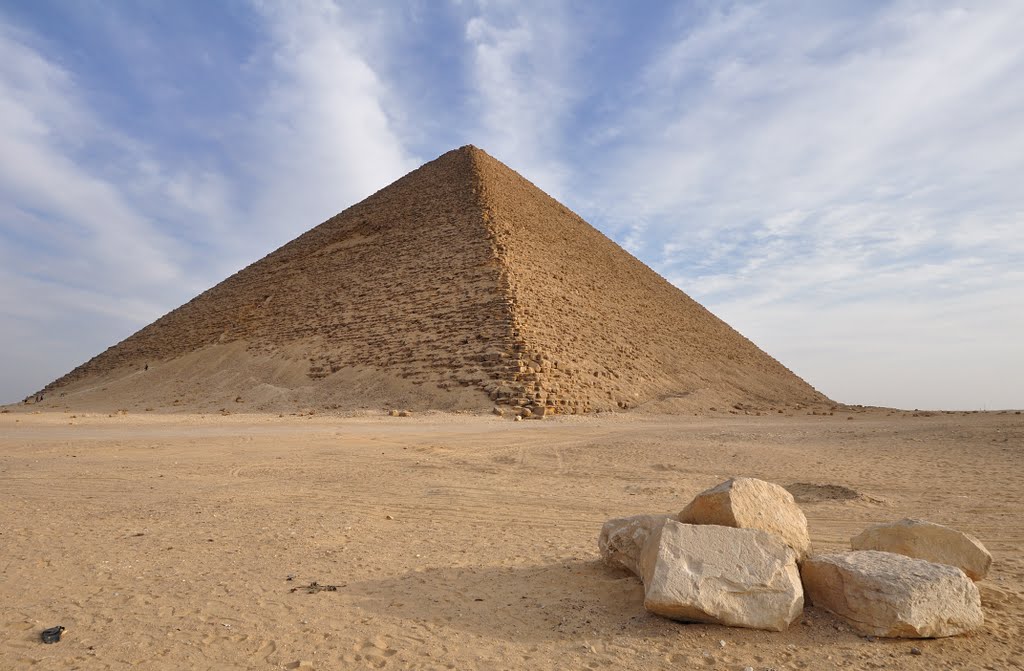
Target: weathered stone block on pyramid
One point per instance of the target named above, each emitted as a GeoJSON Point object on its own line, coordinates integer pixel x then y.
{"type": "Point", "coordinates": [459, 286]}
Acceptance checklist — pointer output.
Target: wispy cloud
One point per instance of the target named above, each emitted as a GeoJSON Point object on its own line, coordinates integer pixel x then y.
{"type": "Point", "coordinates": [521, 61]}
{"type": "Point", "coordinates": [322, 135]}
{"type": "Point", "coordinates": [834, 166]}
{"type": "Point", "coordinates": [45, 138]}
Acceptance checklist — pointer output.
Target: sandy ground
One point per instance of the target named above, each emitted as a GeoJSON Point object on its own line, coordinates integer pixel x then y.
{"type": "Point", "coordinates": [454, 542]}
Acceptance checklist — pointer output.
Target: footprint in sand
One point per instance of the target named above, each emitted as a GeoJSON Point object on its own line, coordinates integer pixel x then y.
{"type": "Point", "coordinates": [374, 652]}
{"type": "Point", "coordinates": [266, 649]}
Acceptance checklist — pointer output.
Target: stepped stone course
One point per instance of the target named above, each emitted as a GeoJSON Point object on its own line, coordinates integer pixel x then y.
{"type": "Point", "coordinates": [462, 275]}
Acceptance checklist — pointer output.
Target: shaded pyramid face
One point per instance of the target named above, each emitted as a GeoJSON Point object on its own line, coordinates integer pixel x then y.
{"type": "Point", "coordinates": [459, 286]}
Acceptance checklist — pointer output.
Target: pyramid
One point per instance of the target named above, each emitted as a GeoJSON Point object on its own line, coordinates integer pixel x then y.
{"type": "Point", "coordinates": [459, 286]}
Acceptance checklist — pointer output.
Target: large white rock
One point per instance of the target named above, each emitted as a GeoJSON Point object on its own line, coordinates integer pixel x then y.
{"type": "Point", "coordinates": [929, 541]}
{"type": "Point", "coordinates": [707, 573]}
{"type": "Point", "coordinates": [622, 539]}
{"type": "Point", "coordinates": [749, 503]}
{"type": "Point", "coordinates": [886, 594]}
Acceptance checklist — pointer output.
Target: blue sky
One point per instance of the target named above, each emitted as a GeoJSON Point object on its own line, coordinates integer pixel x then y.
{"type": "Point", "coordinates": [843, 183]}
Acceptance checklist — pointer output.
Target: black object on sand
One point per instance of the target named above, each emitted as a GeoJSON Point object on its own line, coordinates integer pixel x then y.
{"type": "Point", "coordinates": [53, 634]}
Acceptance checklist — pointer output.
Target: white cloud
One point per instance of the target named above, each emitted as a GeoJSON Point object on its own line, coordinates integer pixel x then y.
{"type": "Point", "coordinates": [783, 164]}
{"type": "Point", "coordinates": [521, 60]}
{"type": "Point", "coordinates": [324, 136]}
{"type": "Point", "coordinates": [44, 128]}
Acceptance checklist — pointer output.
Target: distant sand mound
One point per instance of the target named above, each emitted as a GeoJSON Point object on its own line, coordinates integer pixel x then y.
{"type": "Point", "coordinates": [807, 492]}
{"type": "Point", "coordinates": [459, 286]}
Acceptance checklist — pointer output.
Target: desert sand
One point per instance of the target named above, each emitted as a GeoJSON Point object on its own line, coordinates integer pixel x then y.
{"type": "Point", "coordinates": [456, 541]}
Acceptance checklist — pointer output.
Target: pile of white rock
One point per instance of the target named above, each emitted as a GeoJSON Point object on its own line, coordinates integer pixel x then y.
{"type": "Point", "coordinates": [740, 555]}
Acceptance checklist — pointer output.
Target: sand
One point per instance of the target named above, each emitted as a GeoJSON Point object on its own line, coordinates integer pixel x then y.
{"type": "Point", "coordinates": [455, 541]}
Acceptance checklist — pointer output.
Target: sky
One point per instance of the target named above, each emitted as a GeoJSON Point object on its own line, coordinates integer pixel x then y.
{"type": "Point", "coordinates": [843, 183]}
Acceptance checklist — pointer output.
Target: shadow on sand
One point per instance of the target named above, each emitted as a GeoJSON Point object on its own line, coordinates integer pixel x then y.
{"type": "Point", "coordinates": [572, 598]}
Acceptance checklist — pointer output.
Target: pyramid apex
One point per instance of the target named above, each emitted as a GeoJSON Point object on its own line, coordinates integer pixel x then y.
{"type": "Point", "coordinates": [467, 151]}
{"type": "Point", "coordinates": [471, 149]}
{"type": "Point", "coordinates": [470, 153]}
